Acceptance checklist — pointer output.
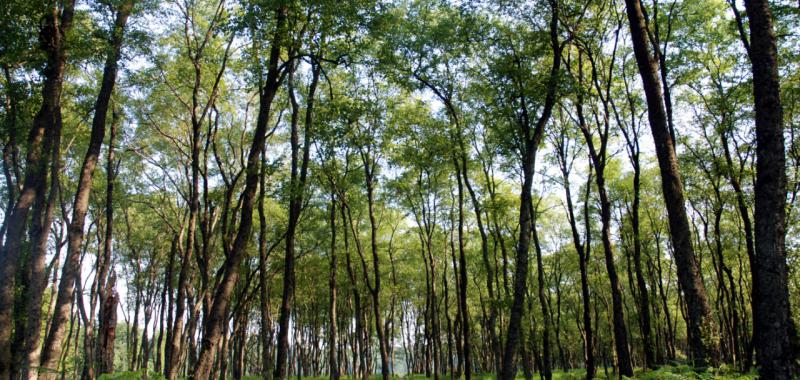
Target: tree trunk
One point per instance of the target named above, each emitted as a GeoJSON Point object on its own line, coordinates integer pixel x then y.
{"type": "Point", "coordinates": [51, 352]}
{"type": "Point", "coordinates": [333, 338]}
{"type": "Point", "coordinates": [297, 188]}
{"type": "Point", "coordinates": [773, 327]}
{"type": "Point", "coordinates": [546, 368]}
{"type": "Point", "coordinates": [52, 40]}
{"type": "Point", "coordinates": [106, 292]}
{"type": "Point", "coordinates": [598, 160]}
{"type": "Point", "coordinates": [701, 327]}
{"type": "Point", "coordinates": [263, 254]}
{"type": "Point", "coordinates": [375, 290]}
{"type": "Point", "coordinates": [198, 113]}
{"type": "Point", "coordinates": [531, 139]}
{"type": "Point", "coordinates": [35, 275]}
{"type": "Point", "coordinates": [462, 266]}
{"type": "Point", "coordinates": [583, 250]}
{"type": "Point", "coordinates": [230, 269]}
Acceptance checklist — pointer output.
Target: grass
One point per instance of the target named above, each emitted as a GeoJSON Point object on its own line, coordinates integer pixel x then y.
{"type": "Point", "coordinates": [670, 372]}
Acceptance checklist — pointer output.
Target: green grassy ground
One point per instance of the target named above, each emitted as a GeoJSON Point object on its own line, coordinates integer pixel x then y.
{"type": "Point", "coordinates": [680, 372]}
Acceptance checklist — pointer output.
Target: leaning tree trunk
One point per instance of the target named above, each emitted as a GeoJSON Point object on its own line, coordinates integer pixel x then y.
{"type": "Point", "coordinates": [703, 342]}
{"type": "Point", "coordinates": [51, 352]}
{"type": "Point", "coordinates": [230, 270]}
{"type": "Point", "coordinates": [52, 40]}
{"type": "Point", "coordinates": [35, 275]}
{"type": "Point", "coordinates": [531, 144]}
{"type": "Point", "coordinates": [772, 320]}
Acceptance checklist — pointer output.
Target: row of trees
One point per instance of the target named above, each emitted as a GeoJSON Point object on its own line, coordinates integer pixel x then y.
{"type": "Point", "coordinates": [325, 188]}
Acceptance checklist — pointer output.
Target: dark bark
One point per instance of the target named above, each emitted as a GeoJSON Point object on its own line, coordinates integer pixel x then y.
{"type": "Point", "coordinates": [598, 158]}
{"type": "Point", "coordinates": [359, 356]}
{"type": "Point", "coordinates": [198, 112]}
{"type": "Point", "coordinates": [28, 327]}
{"type": "Point", "coordinates": [632, 146]}
{"type": "Point", "coordinates": [296, 188]}
{"type": "Point", "coordinates": [333, 337]}
{"type": "Point", "coordinates": [266, 331]}
{"type": "Point", "coordinates": [462, 267]}
{"type": "Point", "coordinates": [230, 270]}
{"type": "Point", "coordinates": [52, 41]}
{"type": "Point", "coordinates": [491, 269]}
{"type": "Point", "coordinates": [583, 249]}
{"type": "Point", "coordinates": [547, 355]}
{"type": "Point", "coordinates": [51, 351]}
{"type": "Point", "coordinates": [701, 327]}
{"type": "Point", "coordinates": [773, 326]}
{"type": "Point", "coordinates": [531, 137]}
{"type": "Point", "coordinates": [107, 296]}
{"type": "Point", "coordinates": [370, 164]}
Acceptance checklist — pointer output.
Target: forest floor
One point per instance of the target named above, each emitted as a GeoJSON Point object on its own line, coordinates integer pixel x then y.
{"type": "Point", "coordinates": [679, 372]}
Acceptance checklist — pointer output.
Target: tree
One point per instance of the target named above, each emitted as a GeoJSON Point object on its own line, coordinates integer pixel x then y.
{"type": "Point", "coordinates": [701, 323]}
{"type": "Point", "coordinates": [230, 274]}
{"type": "Point", "coordinates": [51, 351]}
{"type": "Point", "coordinates": [773, 326]}
{"type": "Point", "coordinates": [41, 139]}
{"type": "Point", "coordinates": [531, 137]}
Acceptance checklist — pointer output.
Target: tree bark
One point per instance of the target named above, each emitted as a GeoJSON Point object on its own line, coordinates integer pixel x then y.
{"type": "Point", "coordinates": [773, 325]}
{"type": "Point", "coordinates": [265, 333]}
{"type": "Point", "coordinates": [375, 289]}
{"type": "Point", "coordinates": [531, 139]}
{"type": "Point", "coordinates": [297, 188]}
{"type": "Point", "coordinates": [52, 40]}
{"type": "Point", "coordinates": [51, 352]}
{"type": "Point", "coordinates": [333, 338]}
{"type": "Point", "coordinates": [547, 355]}
{"type": "Point", "coordinates": [198, 113]}
{"type": "Point", "coordinates": [701, 324]}
{"type": "Point", "coordinates": [106, 331]}
{"type": "Point", "coordinates": [462, 267]}
{"type": "Point", "coordinates": [582, 248]}
{"type": "Point", "coordinates": [598, 156]}
{"type": "Point", "coordinates": [230, 269]}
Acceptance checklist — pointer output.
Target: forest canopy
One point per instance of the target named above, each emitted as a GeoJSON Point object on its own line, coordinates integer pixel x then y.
{"type": "Point", "coordinates": [213, 189]}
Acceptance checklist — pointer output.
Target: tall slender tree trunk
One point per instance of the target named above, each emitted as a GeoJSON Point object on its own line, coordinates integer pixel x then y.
{"type": "Point", "coordinates": [644, 297]}
{"type": "Point", "coordinates": [51, 352]}
{"type": "Point", "coordinates": [462, 266]}
{"type": "Point", "coordinates": [375, 290]}
{"type": "Point", "coordinates": [265, 334]}
{"type": "Point", "coordinates": [598, 157]}
{"type": "Point", "coordinates": [297, 188]}
{"type": "Point", "coordinates": [108, 298]}
{"type": "Point", "coordinates": [701, 324]}
{"type": "Point", "coordinates": [547, 355]}
{"type": "Point", "coordinates": [198, 113]}
{"type": "Point", "coordinates": [52, 40]}
{"type": "Point", "coordinates": [531, 138]}
{"type": "Point", "coordinates": [230, 270]}
{"type": "Point", "coordinates": [773, 327]}
{"type": "Point", "coordinates": [333, 338]}
{"type": "Point", "coordinates": [490, 274]}
{"type": "Point", "coordinates": [583, 249]}
{"type": "Point", "coordinates": [28, 335]}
